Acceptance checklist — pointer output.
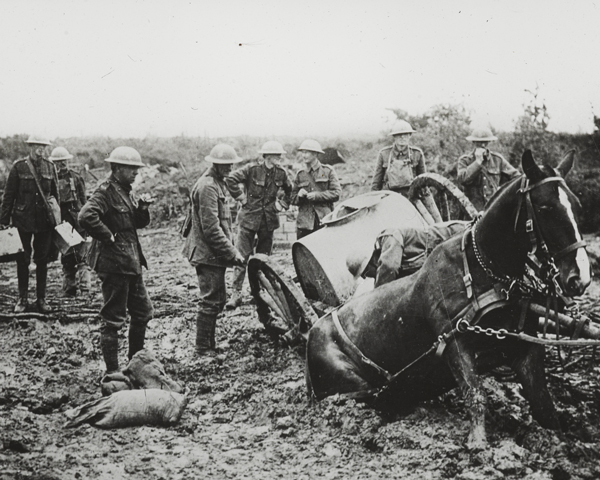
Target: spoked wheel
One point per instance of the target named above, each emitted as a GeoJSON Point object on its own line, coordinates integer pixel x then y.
{"type": "Point", "coordinates": [281, 306]}
{"type": "Point", "coordinates": [439, 200]}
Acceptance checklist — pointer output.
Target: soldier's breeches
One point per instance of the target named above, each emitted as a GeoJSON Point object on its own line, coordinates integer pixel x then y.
{"type": "Point", "coordinates": [213, 292]}
{"type": "Point", "coordinates": [124, 294]}
{"type": "Point", "coordinates": [245, 244]}
{"type": "Point", "coordinates": [38, 243]}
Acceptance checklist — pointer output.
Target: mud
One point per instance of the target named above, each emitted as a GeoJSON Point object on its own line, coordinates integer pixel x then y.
{"type": "Point", "coordinates": [248, 416]}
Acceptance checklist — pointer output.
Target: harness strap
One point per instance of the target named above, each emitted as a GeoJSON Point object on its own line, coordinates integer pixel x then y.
{"type": "Point", "coordinates": [354, 350]}
{"type": "Point", "coordinates": [467, 279]}
{"type": "Point", "coordinates": [569, 249]}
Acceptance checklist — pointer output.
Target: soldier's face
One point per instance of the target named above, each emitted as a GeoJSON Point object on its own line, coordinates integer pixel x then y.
{"type": "Point", "coordinates": [61, 165]}
{"type": "Point", "coordinates": [271, 159]}
{"type": "Point", "coordinates": [307, 156]}
{"type": "Point", "coordinates": [481, 144]}
{"type": "Point", "coordinates": [126, 174]}
{"type": "Point", "coordinates": [224, 169]}
{"type": "Point", "coordinates": [39, 151]}
{"type": "Point", "coordinates": [402, 139]}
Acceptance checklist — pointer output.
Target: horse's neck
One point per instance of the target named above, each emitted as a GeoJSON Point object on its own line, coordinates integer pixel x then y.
{"type": "Point", "coordinates": [497, 239]}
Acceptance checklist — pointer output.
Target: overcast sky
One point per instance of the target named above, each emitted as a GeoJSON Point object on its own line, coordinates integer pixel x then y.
{"type": "Point", "coordinates": [303, 68]}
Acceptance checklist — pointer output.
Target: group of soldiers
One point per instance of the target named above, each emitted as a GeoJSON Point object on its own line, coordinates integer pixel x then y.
{"type": "Point", "coordinates": [112, 215]}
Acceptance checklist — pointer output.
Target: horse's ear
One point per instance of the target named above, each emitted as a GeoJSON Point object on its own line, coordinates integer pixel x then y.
{"type": "Point", "coordinates": [533, 172]}
{"type": "Point", "coordinates": [566, 163]}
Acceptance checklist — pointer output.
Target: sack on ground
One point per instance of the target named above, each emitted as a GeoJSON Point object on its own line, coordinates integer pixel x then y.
{"type": "Point", "coordinates": [145, 371]}
{"type": "Point", "coordinates": [130, 408]}
{"type": "Point", "coordinates": [115, 382]}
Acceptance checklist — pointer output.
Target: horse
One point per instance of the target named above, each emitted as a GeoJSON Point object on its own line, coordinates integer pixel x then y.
{"type": "Point", "coordinates": [526, 244]}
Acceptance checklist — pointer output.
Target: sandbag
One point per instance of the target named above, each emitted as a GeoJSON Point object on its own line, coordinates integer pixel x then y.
{"type": "Point", "coordinates": [145, 371]}
{"type": "Point", "coordinates": [130, 408]}
{"type": "Point", "coordinates": [115, 382]}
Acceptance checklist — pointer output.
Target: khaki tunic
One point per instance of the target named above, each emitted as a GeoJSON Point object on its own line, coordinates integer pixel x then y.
{"type": "Point", "coordinates": [480, 182]}
{"type": "Point", "coordinates": [396, 168]}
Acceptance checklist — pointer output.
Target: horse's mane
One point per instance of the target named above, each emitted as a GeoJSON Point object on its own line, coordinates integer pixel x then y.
{"type": "Point", "coordinates": [500, 190]}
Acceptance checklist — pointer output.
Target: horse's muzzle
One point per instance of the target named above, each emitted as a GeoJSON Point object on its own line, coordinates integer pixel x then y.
{"type": "Point", "coordinates": [576, 286]}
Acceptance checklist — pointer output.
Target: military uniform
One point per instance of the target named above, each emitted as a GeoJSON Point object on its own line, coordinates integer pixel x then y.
{"type": "Point", "coordinates": [112, 213]}
{"type": "Point", "coordinates": [258, 217]}
{"type": "Point", "coordinates": [72, 197]}
{"type": "Point", "coordinates": [23, 204]}
{"type": "Point", "coordinates": [397, 167]}
{"type": "Point", "coordinates": [208, 246]}
{"type": "Point", "coordinates": [480, 181]}
{"type": "Point", "coordinates": [402, 251]}
{"type": "Point", "coordinates": [323, 187]}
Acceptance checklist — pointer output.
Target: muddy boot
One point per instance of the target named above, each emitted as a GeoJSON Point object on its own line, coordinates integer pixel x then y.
{"type": "Point", "coordinates": [235, 300]}
{"type": "Point", "coordinates": [69, 285]}
{"type": "Point", "coordinates": [84, 277]}
{"type": "Point", "coordinates": [41, 275]}
{"type": "Point", "coordinates": [205, 333]}
{"type": "Point", "coordinates": [109, 341]}
{"type": "Point", "coordinates": [23, 280]}
{"type": "Point", "coordinates": [137, 335]}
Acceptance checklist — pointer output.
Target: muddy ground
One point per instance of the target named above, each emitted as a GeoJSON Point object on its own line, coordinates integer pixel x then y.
{"type": "Point", "coordinates": [248, 416]}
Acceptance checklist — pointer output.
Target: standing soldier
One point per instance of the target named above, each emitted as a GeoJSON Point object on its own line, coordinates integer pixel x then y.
{"type": "Point", "coordinates": [398, 164]}
{"type": "Point", "coordinates": [259, 215]}
{"type": "Point", "coordinates": [111, 217]}
{"type": "Point", "coordinates": [208, 245]}
{"type": "Point", "coordinates": [72, 197]}
{"type": "Point", "coordinates": [315, 189]}
{"type": "Point", "coordinates": [24, 202]}
{"type": "Point", "coordinates": [481, 172]}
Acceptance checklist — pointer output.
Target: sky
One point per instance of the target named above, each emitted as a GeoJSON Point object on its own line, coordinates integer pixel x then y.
{"type": "Point", "coordinates": [300, 68]}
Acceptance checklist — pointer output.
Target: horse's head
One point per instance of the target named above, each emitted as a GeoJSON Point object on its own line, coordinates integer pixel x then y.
{"type": "Point", "coordinates": [552, 211]}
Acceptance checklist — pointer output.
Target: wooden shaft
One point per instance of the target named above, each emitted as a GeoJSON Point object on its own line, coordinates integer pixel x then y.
{"type": "Point", "coordinates": [589, 330]}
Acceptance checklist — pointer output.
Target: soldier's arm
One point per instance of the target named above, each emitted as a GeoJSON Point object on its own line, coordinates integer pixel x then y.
{"type": "Point", "coordinates": [390, 259]}
{"type": "Point", "coordinates": [236, 180]}
{"type": "Point", "coordinates": [507, 169]}
{"type": "Point", "coordinates": [378, 174]}
{"type": "Point", "coordinates": [80, 189]}
{"type": "Point", "coordinates": [141, 216]}
{"type": "Point", "coordinates": [90, 217]}
{"type": "Point", "coordinates": [295, 189]}
{"type": "Point", "coordinates": [54, 185]}
{"type": "Point", "coordinates": [332, 194]}
{"type": "Point", "coordinates": [10, 194]}
{"type": "Point", "coordinates": [466, 173]}
{"type": "Point", "coordinates": [207, 206]}
{"type": "Point", "coordinates": [287, 191]}
{"type": "Point", "coordinates": [420, 167]}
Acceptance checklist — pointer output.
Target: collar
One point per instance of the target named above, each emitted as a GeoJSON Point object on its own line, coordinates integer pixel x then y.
{"type": "Point", "coordinates": [113, 179]}
{"type": "Point", "coordinates": [314, 166]}
{"type": "Point", "coordinates": [403, 150]}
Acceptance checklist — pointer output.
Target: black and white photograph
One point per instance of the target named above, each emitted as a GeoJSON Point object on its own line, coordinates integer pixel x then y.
{"type": "Point", "coordinates": [299, 240]}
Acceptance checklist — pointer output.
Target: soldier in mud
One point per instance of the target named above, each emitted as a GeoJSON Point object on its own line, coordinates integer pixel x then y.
{"type": "Point", "coordinates": [481, 172]}
{"type": "Point", "coordinates": [258, 217]}
{"type": "Point", "coordinates": [398, 164]}
{"type": "Point", "coordinates": [24, 205]}
{"type": "Point", "coordinates": [111, 217]}
{"type": "Point", "coordinates": [315, 189]}
{"type": "Point", "coordinates": [208, 243]}
{"type": "Point", "coordinates": [72, 197]}
{"type": "Point", "coordinates": [401, 251]}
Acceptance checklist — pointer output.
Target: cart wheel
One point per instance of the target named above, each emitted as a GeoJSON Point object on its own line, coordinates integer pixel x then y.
{"type": "Point", "coordinates": [281, 306]}
{"type": "Point", "coordinates": [439, 200]}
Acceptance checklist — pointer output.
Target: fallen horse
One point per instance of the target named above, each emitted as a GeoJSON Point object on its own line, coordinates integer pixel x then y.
{"type": "Point", "coordinates": [466, 310]}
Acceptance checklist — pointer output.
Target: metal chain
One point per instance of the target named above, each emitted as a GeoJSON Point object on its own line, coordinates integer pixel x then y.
{"type": "Point", "coordinates": [464, 326]}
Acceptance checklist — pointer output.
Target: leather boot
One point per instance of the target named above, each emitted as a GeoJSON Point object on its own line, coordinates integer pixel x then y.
{"type": "Point", "coordinates": [137, 335]}
{"type": "Point", "coordinates": [69, 285]}
{"type": "Point", "coordinates": [21, 305]}
{"type": "Point", "coordinates": [41, 275]}
{"type": "Point", "coordinates": [109, 341]}
{"type": "Point", "coordinates": [205, 332]}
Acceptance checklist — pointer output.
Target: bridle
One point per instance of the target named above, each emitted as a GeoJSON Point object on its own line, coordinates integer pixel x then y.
{"type": "Point", "coordinates": [539, 258]}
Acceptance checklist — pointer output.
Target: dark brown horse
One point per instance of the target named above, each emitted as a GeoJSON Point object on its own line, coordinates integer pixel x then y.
{"type": "Point", "coordinates": [366, 345]}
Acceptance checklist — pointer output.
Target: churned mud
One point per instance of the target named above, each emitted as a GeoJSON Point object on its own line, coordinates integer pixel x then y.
{"type": "Point", "coordinates": [248, 416]}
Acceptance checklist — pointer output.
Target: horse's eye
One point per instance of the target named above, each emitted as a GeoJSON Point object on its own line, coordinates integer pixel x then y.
{"type": "Point", "coordinates": [545, 208]}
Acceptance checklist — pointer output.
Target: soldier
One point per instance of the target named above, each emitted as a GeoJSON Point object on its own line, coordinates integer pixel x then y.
{"type": "Point", "coordinates": [29, 211]}
{"type": "Point", "coordinates": [398, 164]}
{"type": "Point", "coordinates": [208, 245]}
{"type": "Point", "coordinates": [111, 216]}
{"type": "Point", "coordinates": [315, 189]}
{"type": "Point", "coordinates": [481, 172]}
{"type": "Point", "coordinates": [72, 197]}
{"type": "Point", "coordinates": [259, 216]}
{"type": "Point", "coordinates": [401, 251]}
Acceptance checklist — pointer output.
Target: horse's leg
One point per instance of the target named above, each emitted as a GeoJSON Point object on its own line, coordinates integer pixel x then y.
{"type": "Point", "coordinates": [529, 367]}
{"type": "Point", "coordinates": [461, 361]}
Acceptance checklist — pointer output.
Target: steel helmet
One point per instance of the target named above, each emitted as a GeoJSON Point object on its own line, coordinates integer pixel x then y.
{"type": "Point", "coordinates": [125, 156]}
{"type": "Point", "coordinates": [223, 154]}
{"type": "Point", "coordinates": [311, 146]}
{"type": "Point", "coordinates": [401, 126]}
{"type": "Point", "coordinates": [481, 135]}
{"type": "Point", "coordinates": [60, 153]}
{"type": "Point", "coordinates": [38, 140]}
{"type": "Point", "coordinates": [272, 147]}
